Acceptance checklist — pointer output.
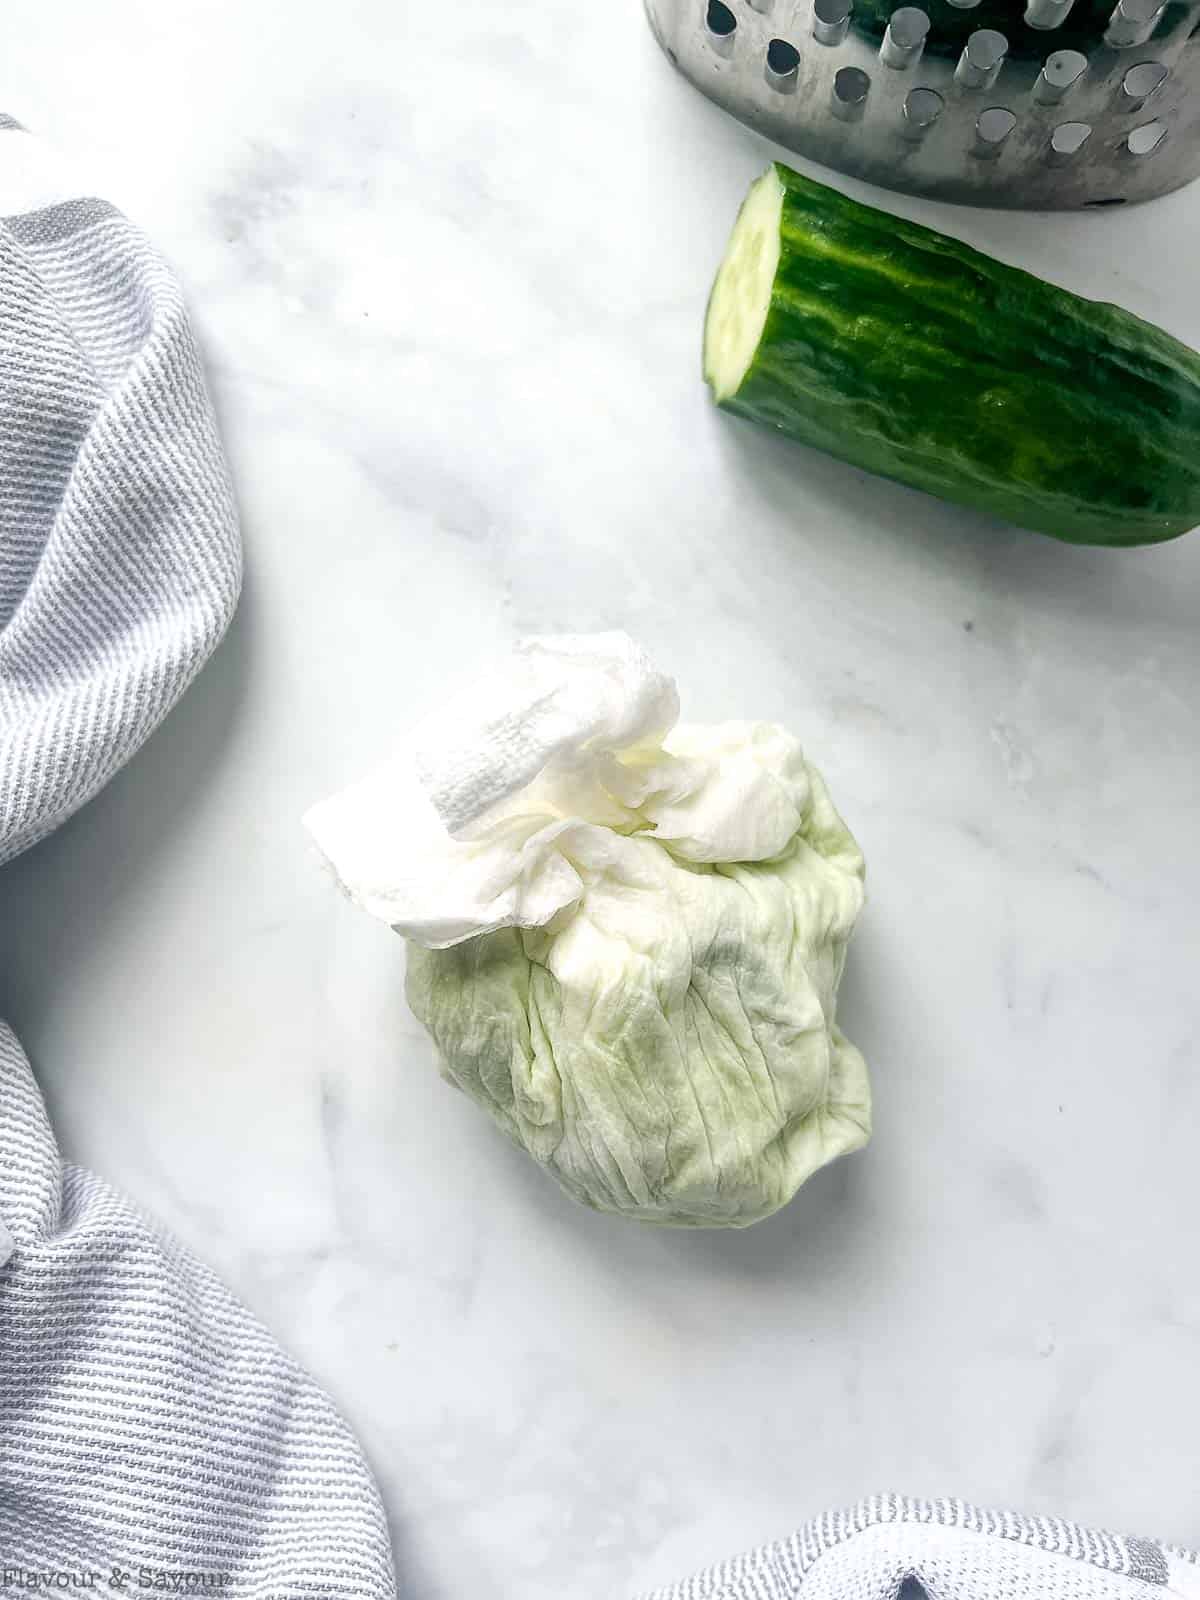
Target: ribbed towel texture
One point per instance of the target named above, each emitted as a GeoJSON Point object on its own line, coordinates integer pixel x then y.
{"type": "Point", "coordinates": [148, 1424]}
{"type": "Point", "coordinates": [896, 1549]}
{"type": "Point", "coordinates": [119, 553]}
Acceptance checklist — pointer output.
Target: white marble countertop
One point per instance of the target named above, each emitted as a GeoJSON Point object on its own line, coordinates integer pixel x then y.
{"type": "Point", "coordinates": [449, 265]}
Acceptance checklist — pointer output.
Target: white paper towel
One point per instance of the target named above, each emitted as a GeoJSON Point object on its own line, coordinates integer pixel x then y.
{"type": "Point", "coordinates": [503, 807]}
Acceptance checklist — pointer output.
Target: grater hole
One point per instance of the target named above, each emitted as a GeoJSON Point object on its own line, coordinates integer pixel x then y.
{"type": "Point", "coordinates": [986, 49]}
{"type": "Point", "coordinates": [922, 108]}
{"type": "Point", "coordinates": [909, 27]}
{"type": "Point", "coordinates": [1069, 138]}
{"type": "Point", "coordinates": [782, 68]}
{"type": "Point", "coordinates": [720, 20]}
{"type": "Point", "coordinates": [1098, 205]}
{"type": "Point", "coordinates": [992, 130]}
{"type": "Point", "coordinates": [1047, 14]}
{"type": "Point", "coordinates": [1133, 22]}
{"type": "Point", "coordinates": [851, 86]}
{"type": "Point", "coordinates": [983, 56]}
{"type": "Point", "coordinates": [964, 5]}
{"type": "Point", "coordinates": [904, 41]}
{"type": "Point", "coordinates": [995, 124]}
{"type": "Point", "coordinates": [1062, 71]}
{"type": "Point", "coordinates": [1140, 82]}
{"type": "Point", "coordinates": [782, 58]}
{"type": "Point", "coordinates": [831, 20]}
{"type": "Point", "coordinates": [1144, 141]}
{"type": "Point", "coordinates": [1065, 67]}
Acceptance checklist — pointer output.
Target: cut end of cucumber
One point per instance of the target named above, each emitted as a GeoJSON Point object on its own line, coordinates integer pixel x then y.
{"type": "Point", "coordinates": [741, 296]}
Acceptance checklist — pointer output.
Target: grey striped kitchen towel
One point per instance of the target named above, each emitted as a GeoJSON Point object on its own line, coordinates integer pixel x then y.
{"type": "Point", "coordinates": [896, 1549]}
{"type": "Point", "coordinates": [119, 553]}
{"type": "Point", "coordinates": [151, 1432]}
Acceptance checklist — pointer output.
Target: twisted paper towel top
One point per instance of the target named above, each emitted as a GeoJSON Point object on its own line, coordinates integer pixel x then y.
{"type": "Point", "coordinates": [502, 807]}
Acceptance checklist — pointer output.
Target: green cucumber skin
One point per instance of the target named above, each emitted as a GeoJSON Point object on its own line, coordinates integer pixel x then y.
{"type": "Point", "coordinates": [916, 357]}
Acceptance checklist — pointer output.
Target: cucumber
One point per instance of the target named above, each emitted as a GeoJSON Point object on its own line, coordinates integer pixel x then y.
{"type": "Point", "coordinates": [912, 355]}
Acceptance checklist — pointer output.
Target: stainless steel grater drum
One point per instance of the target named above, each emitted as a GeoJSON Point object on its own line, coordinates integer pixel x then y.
{"type": "Point", "coordinates": [1048, 105]}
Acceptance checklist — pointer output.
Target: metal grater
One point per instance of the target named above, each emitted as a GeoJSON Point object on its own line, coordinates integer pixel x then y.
{"type": "Point", "coordinates": [1050, 105]}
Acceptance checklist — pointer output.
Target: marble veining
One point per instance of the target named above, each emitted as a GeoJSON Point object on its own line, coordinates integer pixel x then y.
{"type": "Point", "coordinates": [449, 265]}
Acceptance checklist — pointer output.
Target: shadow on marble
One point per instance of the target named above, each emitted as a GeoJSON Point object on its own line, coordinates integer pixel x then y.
{"type": "Point", "coordinates": [1003, 562]}
{"type": "Point", "coordinates": [62, 896]}
{"type": "Point", "coordinates": [809, 1235]}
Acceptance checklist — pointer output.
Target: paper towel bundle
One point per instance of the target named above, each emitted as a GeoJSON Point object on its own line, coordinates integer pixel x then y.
{"type": "Point", "coordinates": [554, 758]}
{"type": "Point", "coordinates": [626, 934]}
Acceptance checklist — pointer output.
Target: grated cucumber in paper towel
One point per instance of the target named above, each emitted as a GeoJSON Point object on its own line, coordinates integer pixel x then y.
{"type": "Point", "coordinates": [625, 935]}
